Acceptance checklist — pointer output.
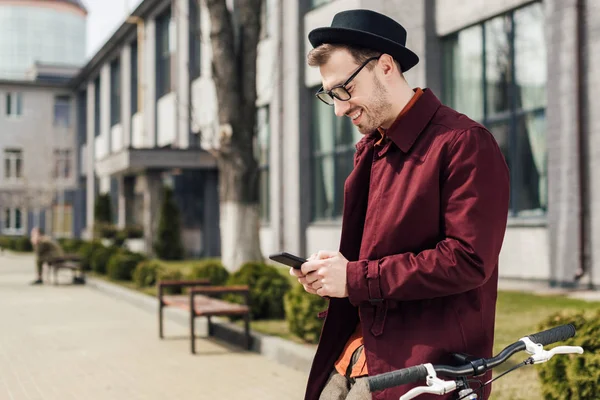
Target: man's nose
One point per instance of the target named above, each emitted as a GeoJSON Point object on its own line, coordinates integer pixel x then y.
{"type": "Point", "coordinates": [341, 107]}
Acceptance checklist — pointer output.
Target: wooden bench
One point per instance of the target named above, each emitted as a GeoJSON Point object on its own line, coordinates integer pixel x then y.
{"type": "Point", "coordinates": [67, 261]}
{"type": "Point", "coordinates": [201, 303]}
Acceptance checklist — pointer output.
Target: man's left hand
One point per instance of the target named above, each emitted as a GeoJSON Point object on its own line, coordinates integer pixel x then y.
{"type": "Point", "coordinates": [326, 274]}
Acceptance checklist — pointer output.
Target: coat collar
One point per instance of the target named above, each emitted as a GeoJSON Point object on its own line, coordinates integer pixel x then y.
{"type": "Point", "coordinates": [405, 131]}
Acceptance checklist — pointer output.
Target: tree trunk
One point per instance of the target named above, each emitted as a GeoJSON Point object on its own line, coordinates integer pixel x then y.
{"type": "Point", "coordinates": [234, 44]}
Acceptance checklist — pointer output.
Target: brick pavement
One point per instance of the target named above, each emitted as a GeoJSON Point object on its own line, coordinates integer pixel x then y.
{"type": "Point", "coordinates": [71, 342]}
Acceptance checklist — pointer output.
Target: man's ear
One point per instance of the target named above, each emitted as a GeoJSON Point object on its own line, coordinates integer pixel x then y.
{"type": "Point", "coordinates": [387, 64]}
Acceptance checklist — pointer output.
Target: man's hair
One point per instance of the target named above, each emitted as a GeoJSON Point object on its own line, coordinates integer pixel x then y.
{"type": "Point", "coordinates": [321, 54]}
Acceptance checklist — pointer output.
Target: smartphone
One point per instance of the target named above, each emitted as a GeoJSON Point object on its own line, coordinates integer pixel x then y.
{"type": "Point", "coordinates": [288, 259]}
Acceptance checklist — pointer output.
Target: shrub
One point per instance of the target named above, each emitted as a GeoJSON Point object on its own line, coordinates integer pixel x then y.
{"type": "Point", "coordinates": [301, 310]}
{"type": "Point", "coordinates": [171, 275]}
{"type": "Point", "coordinates": [87, 251]}
{"type": "Point", "coordinates": [71, 245]}
{"type": "Point", "coordinates": [211, 269]}
{"type": "Point", "coordinates": [100, 259]}
{"type": "Point", "coordinates": [23, 244]}
{"type": "Point", "coordinates": [168, 245]}
{"type": "Point", "coordinates": [7, 242]}
{"type": "Point", "coordinates": [146, 273]}
{"type": "Point", "coordinates": [103, 208]}
{"type": "Point", "coordinates": [121, 266]}
{"type": "Point", "coordinates": [133, 232]}
{"type": "Point", "coordinates": [267, 289]}
{"type": "Point", "coordinates": [105, 230]}
{"type": "Point", "coordinates": [573, 377]}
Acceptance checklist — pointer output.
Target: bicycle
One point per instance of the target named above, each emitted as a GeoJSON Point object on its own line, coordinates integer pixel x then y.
{"type": "Point", "coordinates": [471, 367]}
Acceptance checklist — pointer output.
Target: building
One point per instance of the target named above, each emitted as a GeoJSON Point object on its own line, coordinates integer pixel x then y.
{"type": "Point", "coordinates": [146, 117]}
{"type": "Point", "coordinates": [42, 46]}
{"type": "Point", "coordinates": [40, 31]}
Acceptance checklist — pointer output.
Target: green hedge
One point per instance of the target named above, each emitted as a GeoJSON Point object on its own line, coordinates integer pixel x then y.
{"type": "Point", "coordinates": [87, 251]}
{"type": "Point", "coordinates": [16, 243]}
{"type": "Point", "coordinates": [267, 289]}
{"type": "Point", "coordinates": [23, 244]}
{"type": "Point", "coordinates": [171, 275]}
{"type": "Point", "coordinates": [301, 310]}
{"type": "Point", "coordinates": [146, 273]}
{"type": "Point", "coordinates": [101, 257]}
{"type": "Point", "coordinates": [7, 242]}
{"type": "Point", "coordinates": [121, 266]}
{"type": "Point", "coordinates": [71, 245]}
{"type": "Point", "coordinates": [576, 376]}
{"type": "Point", "coordinates": [212, 269]}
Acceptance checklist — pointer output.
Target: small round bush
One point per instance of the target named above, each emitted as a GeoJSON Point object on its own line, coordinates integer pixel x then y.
{"type": "Point", "coordinates": [211, 269]}
{"type": "Point", "coordinates": [171, 275]}
{"type": "Point", "coordinates": [7, 243]}
{"type": "Point", "coordinates": [573, 376]}
{"type": "Point", "coordinates": [301, 310]}
{"type": "Point", "coordinates": [23, 244]}
{"type": "Point", "coordinates": [267, 289]}
{"type": "Point", "coordinates": [146, 273]}
{"type": "Point", "coordinates": [71, 245]}
{"type": "Point", "coordinates": [87, 251]}
{"type": "Point", "coordinates": [100, 259]}
{"type": "Point", "coordinates": [121, 267]}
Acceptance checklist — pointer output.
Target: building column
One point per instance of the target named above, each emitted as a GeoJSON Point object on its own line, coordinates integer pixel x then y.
{"type": "Point", "coordinates": [591, 49]}
{"type": "Point", "coordinates": [126, 95]}
{"type": "Point", "coordinates": [105, 107]}
{"type": "Point", "coordinates": [89, 162]}
{"type": "Point", "coordinates": [182, 106]}
{"type": "Point", "coordinates": [122, 203]}
{"type": "Point", "coordinates": [294, 234]}
{"type": "Point", "coordinates": [564, 220]}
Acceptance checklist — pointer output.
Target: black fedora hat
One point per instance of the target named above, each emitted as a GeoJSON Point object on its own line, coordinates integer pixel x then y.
{"type": "Point", "coordinates": [368, 29]}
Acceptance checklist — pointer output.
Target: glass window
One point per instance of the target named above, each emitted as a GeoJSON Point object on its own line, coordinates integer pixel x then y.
{"type": "Point", "coordinates": [62, 220]}
{"type": "Point", "coordinates": [134, 78]}
{"type": "Point", "coordinates": [14, 104]}
{"type": "Point", "coordinates": [13, 164]}
{"type": "Point", "coordinates": [318, 3]}
{"type": "Point", "coordinates": [163, 54]}
{"type": "Point", "coordinates": [502, 84]}
{"type": "Point", "coordinates": [262, 152]}
{"type": "Point", "coordinates": [115, 92]}
{"type": "Point", "coordinates": [332, 149]}
{"type": "Point", "coordinates": [195, 39]}
{"type": "Point", "coordinates": [62, 111]}
{"type": "Point", "coordinates": [97, 107]}
{"type": "Point", "coordinates": [62, 164]}
{"type": "Point", "coordinates": [14, 222]}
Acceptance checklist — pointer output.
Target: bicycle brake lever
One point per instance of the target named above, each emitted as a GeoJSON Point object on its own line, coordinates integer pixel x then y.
{"type": "Point", "coordinates": [435, 385]}
{"type": "Point", "coordinates": [539, 355]}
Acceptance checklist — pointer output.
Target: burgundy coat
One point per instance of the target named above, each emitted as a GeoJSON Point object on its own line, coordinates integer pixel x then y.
{"type": "Point", "coordinates": [424, 253]}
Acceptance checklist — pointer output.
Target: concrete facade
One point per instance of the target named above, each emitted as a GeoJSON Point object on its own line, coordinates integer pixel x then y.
{"type": "Point", "coordinates": [36, 130]}
{"type": "Point", "coordinates": [166, 139]}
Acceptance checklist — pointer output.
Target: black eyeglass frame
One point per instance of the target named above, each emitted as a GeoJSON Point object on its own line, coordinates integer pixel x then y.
{"type": "Point", "coordinates": [330, 92]}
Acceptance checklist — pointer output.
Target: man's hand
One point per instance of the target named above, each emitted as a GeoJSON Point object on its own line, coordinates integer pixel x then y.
{"type": "Point", "coordinates": [324, 274]}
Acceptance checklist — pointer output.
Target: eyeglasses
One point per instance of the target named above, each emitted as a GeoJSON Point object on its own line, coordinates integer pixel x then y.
{"type": "Point", "coordinates": [340, 92]}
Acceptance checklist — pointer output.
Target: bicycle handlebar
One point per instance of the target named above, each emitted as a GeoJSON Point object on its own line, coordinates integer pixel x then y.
{"type": "Point", "coordinates": [474, 368]}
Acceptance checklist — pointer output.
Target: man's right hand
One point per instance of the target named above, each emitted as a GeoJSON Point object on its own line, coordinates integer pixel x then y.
{"type": "Point", "coordinates": [302, 278]}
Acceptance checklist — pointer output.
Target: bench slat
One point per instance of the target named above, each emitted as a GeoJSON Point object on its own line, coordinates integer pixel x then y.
{"type": "Point", "coordinates": [204, 305]}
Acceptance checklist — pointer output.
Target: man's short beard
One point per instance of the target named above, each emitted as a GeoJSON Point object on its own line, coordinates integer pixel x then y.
{"type": "Point", "coordinates": [378, 109]}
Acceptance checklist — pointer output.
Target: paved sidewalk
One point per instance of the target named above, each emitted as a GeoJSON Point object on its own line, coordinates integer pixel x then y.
{"type": "Point", "coordinates": [74, 343]}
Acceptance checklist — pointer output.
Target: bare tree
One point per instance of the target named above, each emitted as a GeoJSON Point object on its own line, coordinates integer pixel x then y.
{"type": "Point", "coordinates": [234, 40]}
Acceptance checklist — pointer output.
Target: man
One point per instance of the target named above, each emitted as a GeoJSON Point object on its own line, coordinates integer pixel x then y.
{"type": "Point", "coordinates": [425, 212]}
{"type": "Point", "coordinates": [45, 248]}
